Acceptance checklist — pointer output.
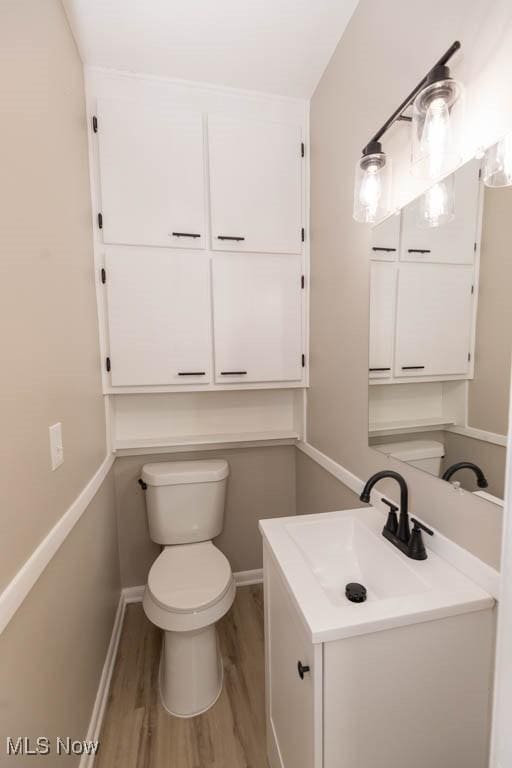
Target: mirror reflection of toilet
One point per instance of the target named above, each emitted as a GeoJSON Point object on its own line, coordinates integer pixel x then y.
{"type": "Point", "coordinates": [190, 585]}
{"type": "Point", "coordinates": [423, 454]}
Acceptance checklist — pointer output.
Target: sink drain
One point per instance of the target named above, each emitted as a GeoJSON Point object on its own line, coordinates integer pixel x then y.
{"type": "Point", "coordinates": [355, 592]}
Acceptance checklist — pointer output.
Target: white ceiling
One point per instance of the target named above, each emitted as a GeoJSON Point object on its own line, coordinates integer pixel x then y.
{"type": "Point", "coordinates": [275, 46]}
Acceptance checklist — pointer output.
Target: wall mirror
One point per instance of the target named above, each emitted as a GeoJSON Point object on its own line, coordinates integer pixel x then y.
{"type": "Point", "coordinates": [441, 332]}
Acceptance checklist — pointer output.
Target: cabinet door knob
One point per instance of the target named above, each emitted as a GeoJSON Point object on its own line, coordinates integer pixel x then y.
{"type": "Point", "coordinates": [302, 669]}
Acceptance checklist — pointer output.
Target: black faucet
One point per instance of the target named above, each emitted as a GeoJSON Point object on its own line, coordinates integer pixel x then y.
{"type": "Point", "coordinates": [480, 477]}
{"type": "Point", "coordinates": [398, 531]}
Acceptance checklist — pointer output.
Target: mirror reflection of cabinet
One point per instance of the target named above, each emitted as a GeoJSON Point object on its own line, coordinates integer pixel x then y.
{"type": "Point", "coordinates": [383, 283]}
{"type": "Point", "coordinates": [386, 239]}
{"type": "Point", "coordinates": [433, 321]}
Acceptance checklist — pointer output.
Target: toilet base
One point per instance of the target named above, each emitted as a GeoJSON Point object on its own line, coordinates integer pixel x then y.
{"type": "Point", "coordinates": [191, 672]}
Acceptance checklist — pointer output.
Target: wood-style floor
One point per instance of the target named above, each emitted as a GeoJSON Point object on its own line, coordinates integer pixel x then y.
{"type": "Point", "coordinates": [138, 733]}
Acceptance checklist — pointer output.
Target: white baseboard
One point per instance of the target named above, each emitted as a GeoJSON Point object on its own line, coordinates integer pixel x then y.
{"type": "Point", "coordinates": [133, 594]}
{"type": "Point", "coordinates": [246, 578]}
{"type": "Point", "coordinates": [100, 703]}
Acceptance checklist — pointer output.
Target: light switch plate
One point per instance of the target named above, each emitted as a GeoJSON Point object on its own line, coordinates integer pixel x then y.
{"type": "Point", "coordinates": [56, 447]}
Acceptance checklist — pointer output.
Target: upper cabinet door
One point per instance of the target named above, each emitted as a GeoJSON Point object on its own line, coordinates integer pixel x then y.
{"type": "Point", "coordinates": [151, 175]}
{"type": "Point", "coordinates": [257, 318]}
{"type": "Point", "coordinates": [433, 320]}
{"type": "Point", "coordinates": [386, 239]}
{"type": "Point", "coordinates": [255, 178]}
{"type": "Point", "coordinates": [383, 281]}
{"type": "Point", "coordinates": [452, 243]}
{"type": "Point", "coordinates": [158, 317]}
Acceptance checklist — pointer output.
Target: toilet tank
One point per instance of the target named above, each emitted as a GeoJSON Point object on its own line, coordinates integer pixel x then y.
{"type": "Point", "coordinates": [423, 454]}
{"type": "Point", "coordinates": [185, 500]}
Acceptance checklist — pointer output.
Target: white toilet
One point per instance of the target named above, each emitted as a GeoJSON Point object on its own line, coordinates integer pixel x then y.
{"type": "Point", "coordinates": [190, 585]}
{"type": "Point", "coordinates": [424, 454]}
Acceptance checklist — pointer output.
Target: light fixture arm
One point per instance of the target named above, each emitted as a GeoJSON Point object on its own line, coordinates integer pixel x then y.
{"type": "Point", "coordinates": [397, 114]}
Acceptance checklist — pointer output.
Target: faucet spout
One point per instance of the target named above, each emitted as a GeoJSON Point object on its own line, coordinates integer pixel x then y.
{"type": "Point", "coordinates": [481, 479]}
{"type": "Point", "coordinates": [404, 531]}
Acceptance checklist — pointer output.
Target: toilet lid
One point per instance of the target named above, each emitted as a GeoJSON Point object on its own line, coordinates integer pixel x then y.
{"type": "Point", "coordinates": [189, 577]}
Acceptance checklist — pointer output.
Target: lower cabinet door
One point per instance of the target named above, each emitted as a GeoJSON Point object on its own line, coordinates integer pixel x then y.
{"type": "Point", "coordinates": [257, 303]}
{"type": "Point", "coordinates": [290, 680]}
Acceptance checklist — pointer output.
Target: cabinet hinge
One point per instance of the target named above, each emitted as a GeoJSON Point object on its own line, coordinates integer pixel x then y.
{"type": "Point", "coordinates": [103, 275]}
{"type": "Point", "coordinates": [475, 247]}
{"type": "Point", "coordinates": [303, 360]}
{"type": "Point", "coordinates": [469, 357]}
{"type": "Point", "coordinates": [100, 220]}
{"type": "Point", "coordinates": [94, 124]}
{"type": "Point", "coordinates": [302, 149]}
{"type": "Point", "coordinates": [302, 281]}
{"type": "Point", "coordinates": [479, 173]}
{"type": "Point", "coordinates": [472, 289]}
{"type": "Point", "coordinates": [302, 234]}
{"type": "Point", "coordinates": [108, 365]}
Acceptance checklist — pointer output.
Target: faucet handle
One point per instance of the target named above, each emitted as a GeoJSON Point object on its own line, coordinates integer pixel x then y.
{"type": "Point", "coordinates": [417, 549]}
{"type": "Point", "coordinates": [392, 521]}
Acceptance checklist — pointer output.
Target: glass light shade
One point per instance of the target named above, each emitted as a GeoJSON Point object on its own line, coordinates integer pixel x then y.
{"type": "Point", "coordinates": [497, 170]}
{"type": "Point", "coordinates": [372, 192]}
{"type": "Point", "coordinates": [436, 121]}
{"type": "Point", "coordinates": [437, 206]}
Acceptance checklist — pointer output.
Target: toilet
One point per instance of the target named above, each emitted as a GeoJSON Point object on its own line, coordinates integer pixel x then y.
{"type": "Point", "coordinates": [190, 584]}
{"type": "Point", "coordinates": [424, 454]}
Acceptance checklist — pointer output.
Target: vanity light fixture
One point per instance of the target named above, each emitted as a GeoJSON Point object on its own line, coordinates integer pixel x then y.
{"type": "Point", "coordinates": [497, 169]}
{"type": "Point", "coordinates": [432, 99]}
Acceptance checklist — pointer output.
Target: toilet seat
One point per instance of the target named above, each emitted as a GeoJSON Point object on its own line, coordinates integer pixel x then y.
{"type": "Point", "coordinates": [189, 586]}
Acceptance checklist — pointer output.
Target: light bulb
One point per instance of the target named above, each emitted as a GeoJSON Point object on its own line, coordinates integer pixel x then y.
{"type": "Point", "coordinates": [372, 191]}
{"type": "Point", "coordinates": [497, 170]}
{"type": "Point", "coordinates": [436, 136]}
{"type": "Point", "coordinates": [437, 206]}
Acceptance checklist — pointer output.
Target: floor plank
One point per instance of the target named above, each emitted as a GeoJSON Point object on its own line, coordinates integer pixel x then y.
{"type": "Point", "coordinates": [138, 733]}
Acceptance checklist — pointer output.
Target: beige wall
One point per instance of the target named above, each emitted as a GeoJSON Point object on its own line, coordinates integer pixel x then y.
{"type": "Point", "coordinates": [50, 359]}
{"type": "Point", "coordinates": [319, 491]}
{"type": "Point", "coordinates": [261, 484]}
{"type": "Point", "coordinates": [489, 391]}
{"type": "Point", "coordinates": [386, 48]}
{"type": "Point", "coordinates": [53, 650]}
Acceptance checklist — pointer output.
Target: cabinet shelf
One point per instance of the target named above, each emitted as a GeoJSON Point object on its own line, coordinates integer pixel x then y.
{"type": "Point", "coordinates": [404, 426]}
{"type": "Point", "coordinates": [175, 444]}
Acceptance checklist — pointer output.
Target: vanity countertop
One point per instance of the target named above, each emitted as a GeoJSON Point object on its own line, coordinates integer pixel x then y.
{"type": "Point", "coordinates": [319, 554]}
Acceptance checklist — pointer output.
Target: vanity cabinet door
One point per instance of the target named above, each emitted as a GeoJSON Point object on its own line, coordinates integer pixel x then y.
{"type": "Point", "coordinates": [158, 307]}
{"type": "Point", "coordinates": [255, 185]}
{"type": "Point", "coordinates": [385, 239]}
{"type": "Point", "coordinates": [434, 320]}
{"type": "Point", "coordinates": [257, 302]}
{"type": "Point", "coordinates": [454, 242]}
{"type": "Point", "coordinates": [290, 698]}
{"type": "Point", "coordinates": [151, 175]}
{"type": "Point", "coordinates": [383, 283]}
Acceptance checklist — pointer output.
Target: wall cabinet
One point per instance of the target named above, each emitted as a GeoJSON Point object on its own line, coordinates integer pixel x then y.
{"type": "Point", "coordinates": [433, 324]}
{"type": "Point", "coordinates": [151, 168]}
{"type": "Point", "coordinates": [255, 185]}
{"type": "Point", "coordinates": [385, 239]}
{"type": "Point", "coordinates": [257, 301]}
{"type": "Point", "coordinates": [158, 317]}
{"type": "Point", "coordinates": [454, 242]}
{"type": "Point", "coordinates": [383, 286]}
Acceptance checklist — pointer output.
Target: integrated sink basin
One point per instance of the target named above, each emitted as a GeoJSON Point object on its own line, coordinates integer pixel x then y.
{"type": "Point", "coordinates": [320, 554]}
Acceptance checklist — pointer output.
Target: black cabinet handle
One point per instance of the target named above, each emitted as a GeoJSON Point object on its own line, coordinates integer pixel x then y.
{"type": "Point", "coordinates": [233, 373]}
{"type": "Point", "coordinates": [191, 373]}
{"type": "Point", "coordinates": [229, 237]}
{"type": "Point", "coordinates": [386, 250]}
{"type": "Point", "coordinates": [185, 234]}
{"type": "Point", "coordinates": [412, 367]}
{"type": "Point", "coordinates": [373, 370]}
{"type": "Point", "coordinates": [302, 669]}
{"type": "Point", "coordinates": [419, 250]}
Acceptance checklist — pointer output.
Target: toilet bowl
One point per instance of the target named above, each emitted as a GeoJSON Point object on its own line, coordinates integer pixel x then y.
{"type": "Point", "coordinates": [190, 585]}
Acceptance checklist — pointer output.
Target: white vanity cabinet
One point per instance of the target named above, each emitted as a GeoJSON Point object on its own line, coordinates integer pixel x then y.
{"type": "Point", "coordinates": [151, 173]}
{"type": "Point", "coordinates": [257, 318]}
{"type": "Point", "coordinates": [255, 185]}
{"type": "Point", "coordinates": [385, 239]}
{"type": "Point", "coordinates": [158, 316]}
{"type": "Point", "coordinates": [434, 320]}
